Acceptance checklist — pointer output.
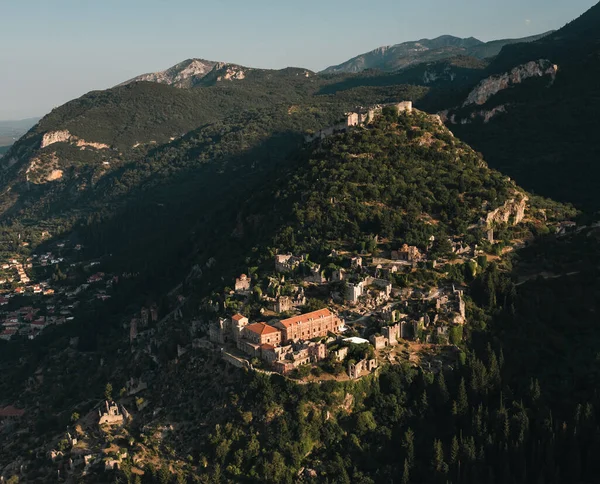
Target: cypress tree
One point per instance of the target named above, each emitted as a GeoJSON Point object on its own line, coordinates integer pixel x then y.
{"type": "Point", "coordinates": [462, 401]}
{"type": "Point", "coordinates": [406, 472]}
{"type": "Point", "coordinates": [409, 446]}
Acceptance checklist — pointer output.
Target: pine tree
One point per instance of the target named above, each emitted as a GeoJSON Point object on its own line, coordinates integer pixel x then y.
{"type": "Point", "coordinates": [438, 464]}
{"type": "Point", "coordinates": [494, 371]}
{"type": "Point", "coordinates": [534, 390]}
{"type": "Point", "coordinates": [442, 390]}
{"type": "Point", "coordinates": [424, 405]}
{"type": "Point", "coordinates": [468, 448]}
{"type": "Point", "coordinates": [504, 424]}
{"type": "Point", "coordinates": [454, 408]}
{"type": "Point", "coordinates": [454, 450]}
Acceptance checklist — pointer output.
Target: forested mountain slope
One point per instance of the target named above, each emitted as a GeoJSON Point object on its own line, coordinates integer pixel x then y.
{"type": "Point", "coordinates": [89, 159]}
{"type": "Point", "coordinates": [403, 178]}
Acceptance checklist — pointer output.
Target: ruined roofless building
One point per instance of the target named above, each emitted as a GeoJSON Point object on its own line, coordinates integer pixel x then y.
{"type": "Point", "coordinates": [286, 262]}
{"type": "Point", "coordinates": [221, 331]}
{"type": "Point", "coordinates": [392, 333]}
{"type": "Point", "coordinates": [355, 369]}
{"type": "Point", "coordinates": [379, 341]}
{"type": "Point", "coordinates": [286, 358]}
{"type": "Point", "coordinates": [408, 253]}
{"type": "Point", "coordinates": [354, 291]}
{"type": "Point", "coordinates": [112, 415]}
{"type": "Point", "coordinates": [367, 115]}
{"type": "Point", "coordinates": [283, 304]}
{"type": "Point", "coordinates": [359, 117]}
{"type": "Point", "coordinates": [242, 283]}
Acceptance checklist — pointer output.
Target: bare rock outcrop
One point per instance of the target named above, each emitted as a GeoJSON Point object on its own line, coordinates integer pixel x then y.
{"type": "Point", "coordinates": [179, 74]}
{"type": "Point", "coordinates": [431, 76]}
{"type": "Point", "coordinates": [54, 137]}
{"type": "Point", "coordinates": [91, 144]}
{"type": "Point", "coordinates": [54, 175]}
{"type": "Point", "coordinates": [494, 84]}
{"type": "Point", "coordinates": [64, 136]}
{"type": "Point", "coordinates": [230, 72]}
{"type": "Point", "coordinates": [513, 212]}
{"type": "Point", "coordinates": [485, 115]}
{"type": "Point", "coordinates": [488, 115]}
{"type": "Point", "coordinates": [43, 170]}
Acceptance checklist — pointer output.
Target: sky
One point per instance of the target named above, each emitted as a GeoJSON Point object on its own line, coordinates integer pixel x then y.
{"type": "Point", "coordinates": [52, 51]}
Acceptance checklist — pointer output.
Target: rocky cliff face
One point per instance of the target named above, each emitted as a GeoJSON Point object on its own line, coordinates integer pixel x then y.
{"type": "Point", "coordinates": [494, 84]}
{"type": "Point", "coordinates": [54, 137]}
{"type": "Point", "coordinates": [485, 115]}
{"type": "Point", "coordinates": [512, 212]}
{"type": "Point", "coordinates": [487, 88]}
{"type": "Point", "coordinates": [64, 136]}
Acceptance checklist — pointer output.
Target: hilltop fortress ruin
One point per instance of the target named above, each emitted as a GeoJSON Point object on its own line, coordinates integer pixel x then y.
{"type": "Point", "coordinates": [361, 116]}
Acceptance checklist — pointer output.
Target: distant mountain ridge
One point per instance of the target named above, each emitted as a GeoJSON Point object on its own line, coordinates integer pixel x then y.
{"type": "Point", "coordinates": [178, 75]}
{"type": "Point", "coordinates": [199, 72]}
{"type": "Point", "coordinates": [399, 56]}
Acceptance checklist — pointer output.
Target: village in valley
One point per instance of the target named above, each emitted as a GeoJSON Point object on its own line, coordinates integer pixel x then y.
{"type": "Point", "coordinates": [45, 288]}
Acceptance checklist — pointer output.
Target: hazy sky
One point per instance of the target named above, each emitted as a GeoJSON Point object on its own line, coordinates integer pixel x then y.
{"type": "Point", "coordinates": [55, 50]}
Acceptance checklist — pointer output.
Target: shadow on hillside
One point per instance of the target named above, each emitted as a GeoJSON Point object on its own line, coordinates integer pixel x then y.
{"type": "Point", "coordinates": [556, 344]}
{"type": "Point", "coordinates": [428, 96]}
{"type": "Point", "coordinates": [162, 229]}
{"type": "Point", "coordinates": [370, 78]}
{"type": "Point", "coordinates": [173, 219]}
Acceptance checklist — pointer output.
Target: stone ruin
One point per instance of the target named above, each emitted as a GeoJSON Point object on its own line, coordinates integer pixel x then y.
{"type": "Point", "coordinates": [359, 117]}
{"type": "Point", "coordinates": [356, 369]}
{"type": "Point", "coordinates": [112, 414]}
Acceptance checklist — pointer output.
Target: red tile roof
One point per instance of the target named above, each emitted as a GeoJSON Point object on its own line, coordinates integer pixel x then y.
{"type": "Point", "coordinates": [267, 346]}
{"type": "Point", "coordinates": [303, 318]}
{"type": "Point", "coordinates": [237, 317]}
{"type": "Point", "coordinates": [261, 328]}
